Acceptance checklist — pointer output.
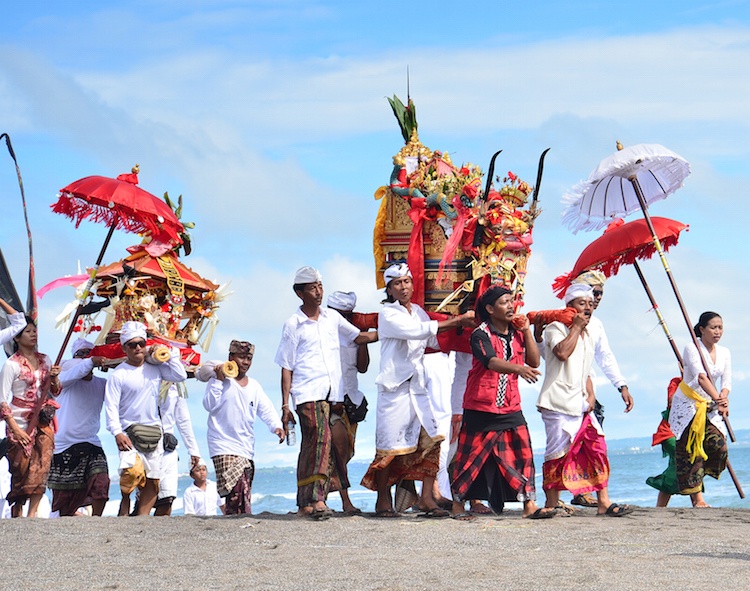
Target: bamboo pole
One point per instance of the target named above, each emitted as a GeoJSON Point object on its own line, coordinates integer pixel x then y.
{"type": "Point", "coordinates": [658, 313]}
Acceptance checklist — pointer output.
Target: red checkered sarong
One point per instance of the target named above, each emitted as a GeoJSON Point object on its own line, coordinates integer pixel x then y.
{"type": "Point", "coordinates": [507, 453]}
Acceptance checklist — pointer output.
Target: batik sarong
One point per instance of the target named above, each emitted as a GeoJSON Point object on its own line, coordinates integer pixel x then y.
{"type": "Point", "coordinates": [29, 473]}
{"type": "Point", "coordinates": [494, 465]}
{"type": "Point", "coordinates": [342, 452]}
{"type": "Point", "coordinates": [690, 474]}
{"type": "Point", "coordinates": [234, 481]}
{"type": "Point", "coordinates": [315, 465]}
{"type": "Point", "coordinates": [229, 469]}
{"type": "Point", "coordinates": [79, 475]}
{"type": "Point", "coordinates": [417, 465]}
{"type": "Point", "coordinates": [584, 467]}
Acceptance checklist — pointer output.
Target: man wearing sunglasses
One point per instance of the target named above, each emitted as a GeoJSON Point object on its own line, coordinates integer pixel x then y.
{"type": "Point", "coordinates": [131, 405]}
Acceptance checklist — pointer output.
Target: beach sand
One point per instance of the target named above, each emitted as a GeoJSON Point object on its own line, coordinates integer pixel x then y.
{"type": "Point", "coordinates": [661, 549]}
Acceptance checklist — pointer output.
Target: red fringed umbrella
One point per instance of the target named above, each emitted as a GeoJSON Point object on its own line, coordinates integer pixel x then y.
{"type": "Point", "coordinates": [626, 244]}
{"type": "Point", "coordinates": [119, 203]}
{"type": "Point", "coordinates": [621, 244]}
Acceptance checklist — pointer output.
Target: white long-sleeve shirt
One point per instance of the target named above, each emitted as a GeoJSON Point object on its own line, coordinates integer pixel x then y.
{"type": "Point", "coordinates": [403, 338]}
{"type": "Point", "coordinates": [132, 393]}
{"type": "Point", "coordinates": [349, 353]}
{"type": "Point", "coordinates": [17, 324]}
{"type": "Point", "coordinates": [175, 413]}
{"type": "Point", "coordinates": [232, 410]}
{"type": "Point", "coordinates": [460, 377]}
{"type": "Point", "coordinates": [603, 355]}
{"type": "Point", "coordinates": [310, 350]}
{"type": "Point", "coordinates": [81, 401]}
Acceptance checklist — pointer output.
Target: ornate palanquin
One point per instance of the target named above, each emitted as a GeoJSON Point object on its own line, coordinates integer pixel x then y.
{"type": "Point", "coordinates": [456, 239]}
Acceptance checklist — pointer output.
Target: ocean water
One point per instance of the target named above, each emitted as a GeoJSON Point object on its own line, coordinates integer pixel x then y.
{"type": "Point", "coordinates": [631, 460]}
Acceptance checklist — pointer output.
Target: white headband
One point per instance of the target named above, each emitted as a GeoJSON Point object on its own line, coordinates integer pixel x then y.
{"type": "Point", "coordinates": [79, 344]}
{"type": "Point", "coordinates": [342, 300]}
{"type": "Point", "coordinates": [307, 275]}
{"type": "Point", "coordinates": [396, 271]}
{"type": "Point", "coordinates": [132, 330]}
{"type": "Point", "coordinates": [579, 290]}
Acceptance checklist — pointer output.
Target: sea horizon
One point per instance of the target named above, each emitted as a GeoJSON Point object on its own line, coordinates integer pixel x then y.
{"type": "Point", "coordinates": [632, 460]}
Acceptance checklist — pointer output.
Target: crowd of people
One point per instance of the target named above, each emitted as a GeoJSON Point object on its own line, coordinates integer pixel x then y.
{"type": "Point", "coordinates": [453, 424]}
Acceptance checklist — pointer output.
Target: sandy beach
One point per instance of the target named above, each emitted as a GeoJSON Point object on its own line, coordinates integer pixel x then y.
{"type": "Point", "coordinates": [650, 549]}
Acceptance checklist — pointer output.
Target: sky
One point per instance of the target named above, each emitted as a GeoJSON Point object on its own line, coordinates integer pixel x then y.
{"type": "Point", "coordinates": [271, 119]}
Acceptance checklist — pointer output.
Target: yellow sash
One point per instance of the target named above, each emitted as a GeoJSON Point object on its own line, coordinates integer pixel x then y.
{"type": "Point", "coordinates": [698, 427]}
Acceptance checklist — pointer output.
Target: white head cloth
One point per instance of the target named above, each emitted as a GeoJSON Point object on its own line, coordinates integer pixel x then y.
{"type": "Point", "coordinates": [592, 278]}
{"type": "Point", "coordinates": [132, 330]}
{"type": "Point", "coordinates": [307, 275]}
{"type": "Point", "coordinates": [79, 344]}
{"type": "Point", "coordinates": [342, 300]}
{"type": "Point", "coordinates": [578, 290]}
{"type": "Point", "coordinates": [396, 271]}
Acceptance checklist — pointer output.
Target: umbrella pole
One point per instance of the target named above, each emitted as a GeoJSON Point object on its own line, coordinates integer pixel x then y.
{"type": "Point", "coordinates": [658, 313]}
{"type": "Point", "coordinates": [89, 285]}
{"type": "Point", "coordinates": [642, 201]}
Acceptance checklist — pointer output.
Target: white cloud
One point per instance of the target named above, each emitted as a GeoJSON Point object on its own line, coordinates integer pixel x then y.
{"type": "Point", "coordinates": [622, 77]}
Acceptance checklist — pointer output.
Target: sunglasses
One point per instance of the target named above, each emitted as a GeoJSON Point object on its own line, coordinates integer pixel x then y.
{"type": "Point", "coordinates": [135, 345]}
{"type": "Point", "coordinates": [598, 293]}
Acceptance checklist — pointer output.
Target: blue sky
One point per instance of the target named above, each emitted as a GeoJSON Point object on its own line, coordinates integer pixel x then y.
{"type": "Point", "coordinates": [271, 119]}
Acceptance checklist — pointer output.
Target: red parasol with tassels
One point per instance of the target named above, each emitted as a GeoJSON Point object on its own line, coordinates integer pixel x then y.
{"type": "Point", "coordinates": [120, 204]}
{"type": "Point", "coordinates": [626, 244]}
{"type": "Point", "coordinates": [621, 244]}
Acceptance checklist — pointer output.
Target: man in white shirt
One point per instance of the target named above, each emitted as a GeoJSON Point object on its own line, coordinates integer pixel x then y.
{"type": "Point", "coordinates": [355, 359]}
{"type": "Point", "coordinates": [174, 412]}
{"type": "Point", "coordinates": [202, 497]}
{"type": "Point", "coordinates": [311, 378]}
{"type": "Point", "coordinates": [604, 358]}
{"type": "Point", "coordinates": [603, 355]}
{"type": "Point", "coordinates": [233, 405]}
{"type": "Point", "coordinates": [131, 406]}
{"type": "Point", "coordinates": [79, 475]}
{"type": "Point", "coordinates": [575, 458]}
{"type": "Point", "coordinates": [407, 440]}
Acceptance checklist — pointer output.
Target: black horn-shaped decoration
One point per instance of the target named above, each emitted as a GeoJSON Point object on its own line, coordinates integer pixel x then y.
{"type": "Point", "coordinates": [539, 172]}
{"type": "Point", "coordinates": [479, 230]}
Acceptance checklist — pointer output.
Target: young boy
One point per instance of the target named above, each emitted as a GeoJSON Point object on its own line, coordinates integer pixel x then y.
{"type": "Point", "coordinates": [202, 497]}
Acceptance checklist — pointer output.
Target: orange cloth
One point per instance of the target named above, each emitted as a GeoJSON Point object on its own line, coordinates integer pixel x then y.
{"type": "Point", "coordinates": [564, 315]}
